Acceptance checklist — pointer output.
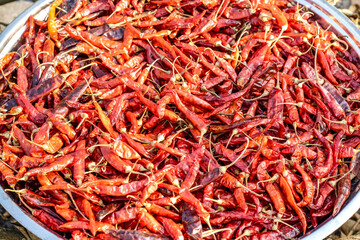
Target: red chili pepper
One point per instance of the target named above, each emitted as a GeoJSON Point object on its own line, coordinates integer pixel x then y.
{"type": "Point", "coordinates": [58, 165]}
{"type": "Point", "coordinates": [44, 181]}
{"type": "Point", "coordinates": [189, 198]}
{"type": "Point", "coordinates": [52, 26]}
{"type": "Point", "coordinates": [191, 116]}
{"type": "Point", "coordinates": [323, 170]}
{"type": "Point", "coordinates": [343, 188]}
{"type": "Point", "coordinates": [171, 228]}
{"type": "Point", "coordinates": [254, 62]}
{"type": "Point", "coordinates": [310, 188]}
{"type": "Point", "coordinates": [290, 199]}
{"type": "Point", "coordinates": [112, 158]}
{"type": "Point", "coordinates": [46, 218]}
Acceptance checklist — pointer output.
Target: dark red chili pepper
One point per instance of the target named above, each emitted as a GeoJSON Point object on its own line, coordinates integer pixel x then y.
{"type": "Point", "coordinates": [343, 188]}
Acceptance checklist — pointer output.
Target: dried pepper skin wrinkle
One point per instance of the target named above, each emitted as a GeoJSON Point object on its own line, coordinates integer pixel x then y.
{"type": "Point", "coordinates": [174, 119]}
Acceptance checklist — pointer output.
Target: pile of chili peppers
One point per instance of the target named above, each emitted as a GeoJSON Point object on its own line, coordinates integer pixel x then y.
{"type": "Point", "coordinates": [169, 119]}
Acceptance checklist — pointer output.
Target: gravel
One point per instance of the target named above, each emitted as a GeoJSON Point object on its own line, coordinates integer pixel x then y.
{"type": "Point", "coordinates": [9, 11]}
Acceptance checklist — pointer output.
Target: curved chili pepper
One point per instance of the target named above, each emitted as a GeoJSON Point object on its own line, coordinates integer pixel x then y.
{"type": "Point", "coordinates": [171, 228]}
{"type": "Point", "coordinates": [193, 118]}
{"type": "Point", "coordinates": [290, 199]}
{"type": "Point", "coordinates": [310, 188]}
{"type": "Point", "coordinates": [343, 188]}
{"type": "Point", "coordinates": [323, 170]}
{"type": "Point", "coordinates": [189, 198]}
{"type": "Point", "coordinates": [150, 222]}
{"type": "Point", "coordinates": [52, 26]}
{"type": "Point", "coordinates": [254, 62]}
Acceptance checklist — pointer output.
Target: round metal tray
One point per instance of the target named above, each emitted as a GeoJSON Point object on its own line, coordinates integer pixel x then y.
{"type": "Point", "coordinates": [327, 16]}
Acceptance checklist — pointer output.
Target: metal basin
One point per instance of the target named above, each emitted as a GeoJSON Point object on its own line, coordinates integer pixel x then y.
{"type": "Point", "coordinates": [326, 14]}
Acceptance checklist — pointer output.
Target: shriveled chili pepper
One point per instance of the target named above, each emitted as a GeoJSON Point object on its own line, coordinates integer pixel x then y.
{"type": "Point", "coordinates": [290, 199]}
{"type": "Point", "coordinates": [191, 221]}
{"type": "Point", "coordinates": [123, 215]}
{"type": "Point", "coordinates": [343, 188]}
{"type": "Point", "coordinates": [323, 170]}
{"type": "Point", "coordinates": [310, 188]}
{"type": "Point", "coordinates": [189, 198]}
{"type": "Point", "coordinates": [52, 27]}
{"type": "Point", "coordinates": [59, 164]}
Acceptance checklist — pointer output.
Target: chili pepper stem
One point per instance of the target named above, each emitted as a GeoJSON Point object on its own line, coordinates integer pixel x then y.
{"type": "Point", "coordinates": [24, 178]}
{"type": "Point", "coordinates": [134, 172]}
{"type": "Point", "coordinates": [207, 221]}
{"type": "Point", "coordinates": [92, 148]}
{"type": "Point", "coordinates": [27, 206]}
{"type": "Point", "coordinates": [6, 164]}
{"type": "Point", "coordinates": [214, 231]}
{"type": "Point", "coordinates": [43, 146]}
{"type": "Point", "coordinates": [75, 205]}
{"type": "Point", "coordinates": [348, 71]}
{"type": "Point", "coordinates": [272, 179]}
{"type": "Point", "coordinates": [234, 132]}
{"type": "Point", "coordinates": [277, 219]}
{"type": "Point", "coordinates": [16, 191]}
{"type": "Point", "coordinates": [264, 94]}
{"type": "Point", "coordinates": [246, 233]}
{"type": "Point", "coordinates": [296, 134]}
{"type": "Point", "coordinates": [333, 182]}
{"type": "Point", "coordinates": [20, 61]}
{"type": "Point", "coordinates": [223, 169]}
{"type": "Point", "coordinates": [238, 184]}
{"type": "Point", "coordinates": [343, 121]}
{"type": "Point", "coordinates": [66, 75]}
{"type": "Point", "coordinates": [334, 37]}
{"type": "Point", "coordinates": [299, 104]}
{"type": "Point", "coordinates": [276, 138]}
{"type": "Point", "coordinates": [203, 89]}
{"type": "Point", "coordinates": [218, 201]}
{"type": "Point", "coordinates": [273, 42]}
